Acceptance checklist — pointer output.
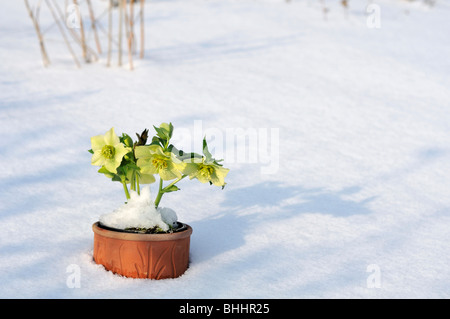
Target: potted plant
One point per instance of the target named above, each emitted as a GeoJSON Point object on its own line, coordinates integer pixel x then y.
{"type": "Point", "coordinates": [140, 239]}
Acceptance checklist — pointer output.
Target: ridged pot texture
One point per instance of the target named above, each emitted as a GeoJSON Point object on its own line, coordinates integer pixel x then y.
{"type": "Point", "coordinates": [135, 255]}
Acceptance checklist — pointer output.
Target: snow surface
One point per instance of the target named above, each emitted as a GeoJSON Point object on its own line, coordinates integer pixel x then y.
{"type": "Point", "coordinates": [140, 212]}
{"type": "Point", "coordinates": [358, 206]}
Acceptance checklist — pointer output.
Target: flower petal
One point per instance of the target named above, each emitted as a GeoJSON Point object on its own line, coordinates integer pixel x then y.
{"type": "Point", "coordinates": [142, 152]}
{"type": "Point", "coordinates": [190, 169]}
{"type": "Point", "coordinates": [111, 165]}
{"type": "Point", "coordinates": [170, 172]}
{"type": "Point", "coordinates": [143, 178]}
{"type": "Point", "coordinates": [179, 167]}
{"type": "Point", "coordinates": [120, 151]}
{"type": "Point", "coordinates": [156, 150]}
{"type": "Point", "coordinates": [97, 159]}
{"type": "Point", "coordinates": [146, 179]}
{"type": "Point", "coordinates": [218, 177]}
{"type": "Point", "coordinates": [166, 175]}
{"type": "Point", "coordinates": [111, 138]}
{"type": "Point", "coordinates": [97, 142]}
{"type": "Point", "coordinates": [146, 166]}
{"type": "Point", "coordinates": [215, 180]}
{"type": "Point", "coordinates": [221, 172]}
{"type": "Point", "coordinates": [202, 178]}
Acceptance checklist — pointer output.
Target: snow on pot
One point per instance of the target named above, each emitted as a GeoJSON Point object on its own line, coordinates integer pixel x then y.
{"type": "Point", "coordinates": [141, 239]}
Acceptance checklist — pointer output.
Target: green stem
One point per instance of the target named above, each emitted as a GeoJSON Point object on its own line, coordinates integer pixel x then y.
{"type": "Point", "coordinates": [132, 185]}
{"type": "Point", "coordinates": [160, 193]}
{"type": "Point", "coordinates": [137, 184]}
{"type": "Point", "coordinates": [175, 181]}
{"type": "Point", "coordinates": [125, 188]}
{"type": "Point", "coordinates": [161, 189]}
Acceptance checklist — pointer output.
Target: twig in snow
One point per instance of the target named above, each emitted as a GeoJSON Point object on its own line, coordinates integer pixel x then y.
{"type": "Point", "coordinates": [129, 36]}
{"type": "Point", "coordinates": [142, 28]}
{"type": "Point", "coordinates": [83, 38]}
{"type": "Point", "coordinates": [94, 28]}
{"type": "Point", "coordinates": [108, 63]}
{"type": "Point", "coordinates": [45, 58]}
{"type": "Point", "coordinates": [74, 35]}
{"type": "Point", "coordinates": [121, 6]}
{"type": "Point", "coordinates": [61, 29]}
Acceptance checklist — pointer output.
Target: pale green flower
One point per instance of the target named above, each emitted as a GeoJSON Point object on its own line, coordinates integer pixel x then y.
{"type": "Point", "coordinates": [153, 160]}
{"type": "Point", "coordinates": [108, 151]}
{"type": "Point", "coordinates": [143, 178]}
{"type": "Point", "coordinates": [207, 171]}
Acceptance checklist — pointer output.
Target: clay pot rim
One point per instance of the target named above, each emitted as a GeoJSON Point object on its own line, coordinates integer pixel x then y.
{"type": "Point", "coordinates": [139, 236]}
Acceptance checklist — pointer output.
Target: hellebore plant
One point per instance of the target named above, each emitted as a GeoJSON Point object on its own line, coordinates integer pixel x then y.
{"type": "Point", "coordinates": [136, 163]}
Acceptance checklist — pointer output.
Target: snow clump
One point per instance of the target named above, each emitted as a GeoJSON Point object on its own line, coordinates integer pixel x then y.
{"type": "Point", "coordinates": [140, 212]}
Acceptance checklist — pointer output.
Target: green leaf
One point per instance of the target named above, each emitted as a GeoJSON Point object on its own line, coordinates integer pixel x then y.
{"type": "Point", "coordinates": [170, 130]}
{"type": "Point", "coordinates": [122, 173]}
{"type": "Point", "coordinates": [129, 157]}
{"type": "Point", "coordinates": [107, 173]}
{"type": "Point", "coordinates": [157, 141]}
{"type": "Point", "coordinates": [217, 162]}
{"type": "Point", "coordinates": [175, 150]}
{"type": "Point", "coordinates": [191, 156]}
{"type": "Point", "coordinates": [117, 178]}
{"type": "Point", "coordinates": [209, 158]}
{"type": "Point", "coordinates": [181, 155]}
{"type": "Point", "coordinates": [91, 151]}
{"type": "Point", "coordinates": [162, 133]}
{"type": "Point", "coordinates": [206, 151]}
{"type": "Point", "coordinates": [131, 166]}
{"type": "Point", "coordinates": [170, 189]}
{"type": "Point", "coordinates": [126, 139]}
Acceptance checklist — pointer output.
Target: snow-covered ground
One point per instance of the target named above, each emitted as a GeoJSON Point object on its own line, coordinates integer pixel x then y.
{"type": "Point", "coordinates": [356, 204]}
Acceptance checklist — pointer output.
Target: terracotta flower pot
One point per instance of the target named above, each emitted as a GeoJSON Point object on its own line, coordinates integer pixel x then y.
{"type": "Point", "coordinates": [137, 255]}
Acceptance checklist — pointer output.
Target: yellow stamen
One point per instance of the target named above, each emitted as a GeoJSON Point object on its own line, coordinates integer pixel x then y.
{"type": "Point", "coordinates": [206, 171]}
{"type": "Point", "coordinates": [108, 151]}
{"type": "Point", "coordinates": [159, 163]}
